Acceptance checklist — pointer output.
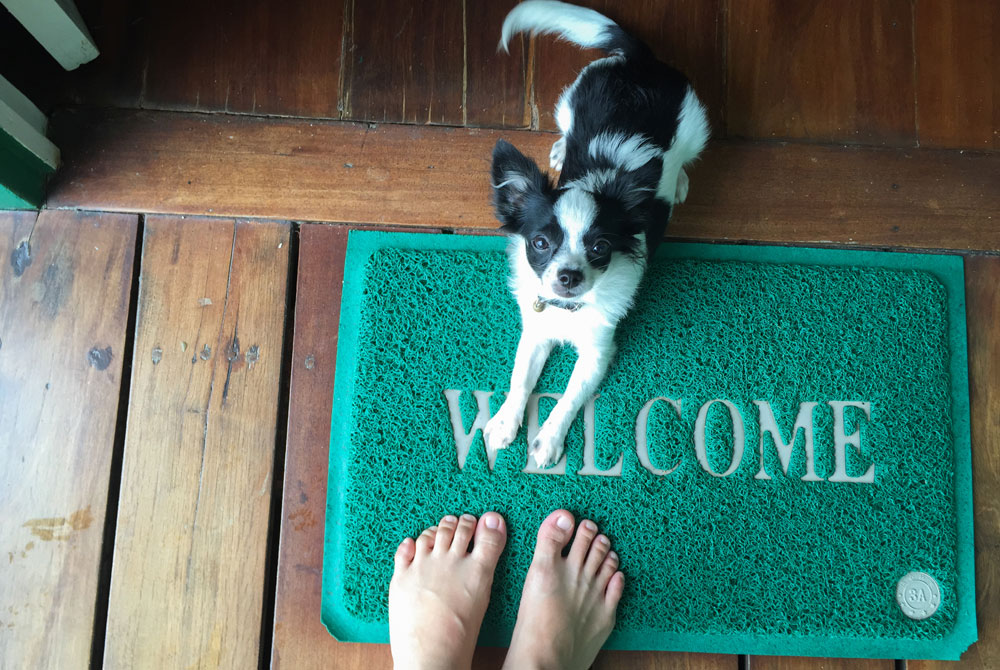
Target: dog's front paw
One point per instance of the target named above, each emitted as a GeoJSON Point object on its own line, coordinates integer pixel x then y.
{"type": "Point", "coordinates": [501, 430]}
{"type": "Point", "coordinates": [558, 154]}
{"type": "Point", "coordinates": [547, 447]}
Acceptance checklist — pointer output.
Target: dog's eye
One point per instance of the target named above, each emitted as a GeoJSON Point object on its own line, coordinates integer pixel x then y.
{"type": "Point", "coordinates": [540, 243]}
{"type": "Point", "coordinates": [600, 248]}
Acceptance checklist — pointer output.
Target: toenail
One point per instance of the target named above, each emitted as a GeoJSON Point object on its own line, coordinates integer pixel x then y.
{"type": "Point", "coordinates": [449, 518]}
{"type": "Point", "coordinates": [602, 539]}
{"type": "Point", "coordinates": [589, 525]}
{"type": "Point", "coordinates": [563, 522]}
{"type": "Point", "coordinates": [492, 521]}
{"type": "Point", "coordinates": [468, 517]}
{"type": "Point", "coordinates": [613, 556]}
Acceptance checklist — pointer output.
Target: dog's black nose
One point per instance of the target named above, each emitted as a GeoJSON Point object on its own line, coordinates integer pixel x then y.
{"type": "Point", "coordinates": [570, 278]}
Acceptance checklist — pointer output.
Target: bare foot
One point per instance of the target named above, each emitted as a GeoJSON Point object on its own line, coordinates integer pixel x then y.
{"type": "Point", "coordinates": [568, 605]}
{"type": "Point", "coordinates": [439, 591]}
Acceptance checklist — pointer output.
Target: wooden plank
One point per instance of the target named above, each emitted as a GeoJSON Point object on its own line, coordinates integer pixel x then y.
{"type": "Point", "coordinates": [188, 581]}
{"type": "Point", "coordinates": [660, 660]}
{"type": "Point", "coordinates": [820, 70]}
{"type": "Point", "coordinates": [404, 61]}
{"type": "Point", "coordinates": [882, 198]}
{"type": "Point", "coordinates": [438, 177]}
{"type": "Point", "coordinates": [385, 174]}
{"type": "Point", "coordinates": [982, 295]}
{"type": "Point", "coordinates": [957, 60]}
{"type": "Point", "coordinates": [687, 34]}
{"type": "Point", "coordinates": [828, 71]}
{"type": "Point", "coordinates": [245, 57]}
{"type": "Point", "coordinates": [797, 663]}
{"type": "Point", "coordinates": [300, 557]}
{"type": "Point", "coordinates": [256, 57]}
{"type": "Point", "coordinates": [65, 282]}
{"type": "Point", "coordinates": [495, 83]}
{"type": "Point", "coordinates": [300, 640]}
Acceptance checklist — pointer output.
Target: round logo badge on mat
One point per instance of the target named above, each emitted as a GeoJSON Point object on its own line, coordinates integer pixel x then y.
{"type": "Point", "coordinates": [918, 595]}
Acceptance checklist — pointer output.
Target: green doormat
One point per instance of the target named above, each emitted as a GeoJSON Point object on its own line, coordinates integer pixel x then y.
{"type": "Point", "coordinates": [855, 539]}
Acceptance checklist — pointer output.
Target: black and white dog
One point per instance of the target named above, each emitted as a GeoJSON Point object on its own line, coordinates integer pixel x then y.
{"type": "Point", "coordinates": [578, 249]}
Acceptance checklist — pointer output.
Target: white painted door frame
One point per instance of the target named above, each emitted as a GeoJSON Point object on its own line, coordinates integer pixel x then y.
{"type": "Point", "coordinates": [58, 26]}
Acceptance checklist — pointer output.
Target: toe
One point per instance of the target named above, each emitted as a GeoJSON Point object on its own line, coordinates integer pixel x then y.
{"type": "Point", "coordinates": [553, 535]}
{"type": "Point", "coordinates": [445, 533]}
{"type": "Point", "coordinates": [599, 549]}
{"type": "Point", "coordinates": [607, 570]}
{"type": "Point", "coordinates": [490, 538]}
{"type": "Point", "coordinates": [404, 553]}
{"type": "Point", "coordinates": [426, 540]}
{"type": "Point", "coordinates": [581, 543]}
{"type": "Point", "coordinates": [615, 588]}
{"type": "Point", "coordinates": [463, 534]}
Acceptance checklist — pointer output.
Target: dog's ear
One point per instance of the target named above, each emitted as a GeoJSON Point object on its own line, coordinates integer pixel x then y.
{"type": "Point", "coordinates": [517, 182]}
{"type": "Point", "coordinates": [634, 188]}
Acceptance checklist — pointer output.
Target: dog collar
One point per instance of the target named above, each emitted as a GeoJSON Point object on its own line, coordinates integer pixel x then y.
{"type": "Point", "coordinates": [541, 303]}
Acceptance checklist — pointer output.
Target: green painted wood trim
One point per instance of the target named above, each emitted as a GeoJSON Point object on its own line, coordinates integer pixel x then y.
{"type": "Point", "coordinates": [22, 175]}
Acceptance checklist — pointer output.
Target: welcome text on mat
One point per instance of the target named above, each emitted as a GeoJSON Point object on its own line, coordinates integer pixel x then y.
{"type": "Point", "coordinates": [766, 421]}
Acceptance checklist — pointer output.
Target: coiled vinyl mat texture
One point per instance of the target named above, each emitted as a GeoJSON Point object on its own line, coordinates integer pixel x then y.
{"type": "Point", "coordinates": [773, 557]}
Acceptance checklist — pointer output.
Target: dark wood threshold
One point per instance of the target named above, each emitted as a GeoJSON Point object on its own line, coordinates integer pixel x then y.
{"type": "Point", "coordinates": [435, 176]}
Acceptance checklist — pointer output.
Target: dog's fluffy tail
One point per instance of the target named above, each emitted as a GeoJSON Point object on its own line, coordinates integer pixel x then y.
{"type": "Point", "coordinates": [578, 25]}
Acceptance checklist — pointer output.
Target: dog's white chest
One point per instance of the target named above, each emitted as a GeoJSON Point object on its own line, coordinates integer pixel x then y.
{"type": "Point", "coordinates": [585, 327]}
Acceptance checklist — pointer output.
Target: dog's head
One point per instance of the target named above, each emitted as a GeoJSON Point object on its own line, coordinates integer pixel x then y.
{"type": "Point", "coordinates": [574, 233]}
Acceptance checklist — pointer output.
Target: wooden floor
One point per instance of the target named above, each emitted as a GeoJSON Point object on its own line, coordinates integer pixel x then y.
{"type": "Point", "coordinates": [166, 382]}
{"type": "Point", "coordinates": [902, 73]}
{"type": "Point", "coordinates": [168, 322]}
